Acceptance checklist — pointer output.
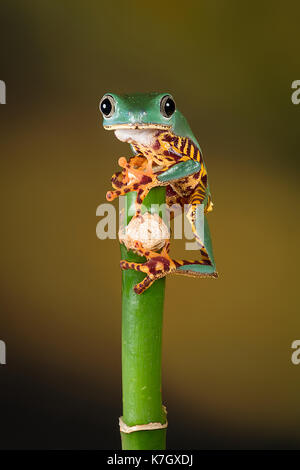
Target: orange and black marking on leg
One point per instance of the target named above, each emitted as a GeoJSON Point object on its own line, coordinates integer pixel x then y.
{"type": "Point", "coordinates": [157, 265]}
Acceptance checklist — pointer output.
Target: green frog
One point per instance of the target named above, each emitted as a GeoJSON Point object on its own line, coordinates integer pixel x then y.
{"type": "Point", "coordinates": [165, 153]}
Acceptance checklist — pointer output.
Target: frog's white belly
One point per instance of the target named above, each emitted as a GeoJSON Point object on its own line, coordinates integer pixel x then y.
{"type": "Point", "coordinates": [137, 136]}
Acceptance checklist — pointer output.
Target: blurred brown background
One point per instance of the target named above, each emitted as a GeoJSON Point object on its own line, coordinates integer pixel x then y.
{"type": "Point", "coordinates": [228, 380]}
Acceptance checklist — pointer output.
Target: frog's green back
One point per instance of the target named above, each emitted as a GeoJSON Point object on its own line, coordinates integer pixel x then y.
{"type": "Point", "coordinates": [182, 128]}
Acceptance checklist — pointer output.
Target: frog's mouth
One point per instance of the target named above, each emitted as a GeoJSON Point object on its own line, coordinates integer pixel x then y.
{"type": "Point", "coordinates": [143, 134]}
{"type": "Point", "coordinates": [113, 127]}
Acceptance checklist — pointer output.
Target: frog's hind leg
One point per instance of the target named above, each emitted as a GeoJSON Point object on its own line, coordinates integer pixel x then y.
{"type": "Point", "coordinates": [157, 265]}
{"type": "Point", "coordinates": [205, 267]}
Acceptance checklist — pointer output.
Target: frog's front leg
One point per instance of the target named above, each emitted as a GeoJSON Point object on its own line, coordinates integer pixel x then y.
{"type": "Point", "coordinates": [149, 180]}
{"type": "Point", "coordinates": [134, 177]}
{"type": "Point", "coordinates": [142, 188]}
{"type": "Point", "coordinates": [179, 170]}
{"type": "Point", "coordinates": [131, 176]}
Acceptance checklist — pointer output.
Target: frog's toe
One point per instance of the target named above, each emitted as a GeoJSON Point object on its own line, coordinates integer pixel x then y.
{"type": "Point", "coordinates": [142, 286]}
{"type": "Point", "coordinates": [130, 265]}
{"type": "Point", "coordinates": [111, 195]}
{"type": "Point", "coordinates": [119, 180]}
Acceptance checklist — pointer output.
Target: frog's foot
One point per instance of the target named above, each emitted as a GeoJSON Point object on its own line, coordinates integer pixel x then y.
{"type": "Point", "coordinates": [157, 265]}
{"type": "Point", "coordinates": [119, 180]}
{"type": "Point", "coordinates": [137, 166]}
{"type": "Point", "coordinates": [192, 268]}
{"type": "Point", "coordinates": [141, 175]}
{"type": "Point", "coordinates": [136, 175]}
{"type": "Point", "coordinates": [142, 188]}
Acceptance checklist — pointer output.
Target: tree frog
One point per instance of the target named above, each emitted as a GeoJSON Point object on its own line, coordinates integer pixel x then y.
{"type": "Point", "coordinates": [166, 153]}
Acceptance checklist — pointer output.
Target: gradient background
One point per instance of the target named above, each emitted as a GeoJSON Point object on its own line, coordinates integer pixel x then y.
{"type": "Point", "coordinates": [228, 380]}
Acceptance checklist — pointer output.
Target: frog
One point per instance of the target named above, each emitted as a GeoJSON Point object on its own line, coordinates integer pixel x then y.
{"type": "Point", "coordinates": [165, 153]}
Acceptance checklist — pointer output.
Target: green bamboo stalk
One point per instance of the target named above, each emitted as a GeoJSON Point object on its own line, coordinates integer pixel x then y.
{"type": "Point", "coordinates": [142, 318]}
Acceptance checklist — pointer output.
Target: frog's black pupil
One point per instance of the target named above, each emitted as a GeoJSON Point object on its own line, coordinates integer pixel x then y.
{"type": "Point", "coordinates": [106, 107]}
{"type": "Point", "coordinates": [169, 107]}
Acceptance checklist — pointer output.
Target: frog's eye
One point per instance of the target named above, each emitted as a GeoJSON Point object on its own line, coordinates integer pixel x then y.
{"type": "Point", "coordinates": [167, 106]}
{"type": "Point", "coordinates": [107, 106]}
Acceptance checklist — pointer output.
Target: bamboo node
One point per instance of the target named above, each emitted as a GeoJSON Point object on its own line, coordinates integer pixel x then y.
{"type": "Point", "coordinates": [142, 427]}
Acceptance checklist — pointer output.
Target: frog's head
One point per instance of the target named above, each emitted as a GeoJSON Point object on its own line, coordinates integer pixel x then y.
{"type": "Point", "coordinates": [136, 117]}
